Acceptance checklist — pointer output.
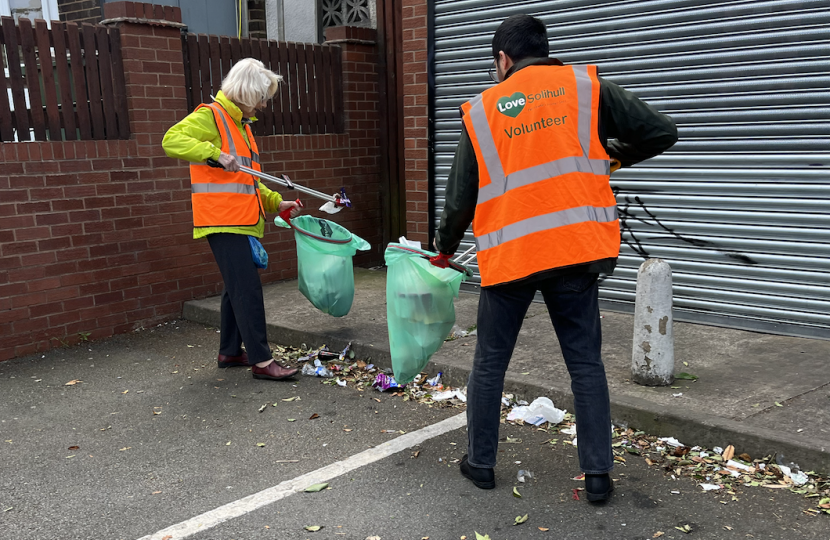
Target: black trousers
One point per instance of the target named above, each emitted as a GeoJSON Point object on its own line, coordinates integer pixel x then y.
{"type": "Point", "coordinates": [243, 308]}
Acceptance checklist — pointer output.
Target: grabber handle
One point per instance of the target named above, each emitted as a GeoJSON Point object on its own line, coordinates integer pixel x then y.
{"type": "Point", "coordinates": [286, 214]}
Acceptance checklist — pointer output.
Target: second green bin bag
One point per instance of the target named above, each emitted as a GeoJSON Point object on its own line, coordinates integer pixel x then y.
{"type": "Point", "coordinates": [324, 262]}
{"type": "Point", "coordinates": [419, 308]}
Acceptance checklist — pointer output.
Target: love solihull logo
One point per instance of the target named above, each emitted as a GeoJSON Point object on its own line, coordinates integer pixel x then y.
{"type": "Point", "coordinates": [513, 105]}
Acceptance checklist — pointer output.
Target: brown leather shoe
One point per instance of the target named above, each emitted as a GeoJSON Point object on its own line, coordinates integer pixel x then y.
{"type": "Point", "coordinates": [273, 371]}
{"type": "Point", "coordinates": [233, 361]}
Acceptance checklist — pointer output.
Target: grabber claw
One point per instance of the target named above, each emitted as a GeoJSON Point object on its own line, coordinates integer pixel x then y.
{"type": "Point", "coordinates": [340, 199]}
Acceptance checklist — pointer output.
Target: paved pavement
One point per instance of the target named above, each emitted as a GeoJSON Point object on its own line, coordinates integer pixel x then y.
{"type": "Point", "coordinates": [151, 439]}
{"type": "Point", "coordinates": [761, 393]}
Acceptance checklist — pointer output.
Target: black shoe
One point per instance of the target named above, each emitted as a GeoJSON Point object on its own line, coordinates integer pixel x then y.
{"type": "Point", "coordinates": [598, 487]}
{"type": "Point", "coordinates": [482, 478]}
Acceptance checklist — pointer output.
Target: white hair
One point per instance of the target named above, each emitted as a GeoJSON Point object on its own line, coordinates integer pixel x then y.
{"type": "Point", "coordinates": [249, 83]}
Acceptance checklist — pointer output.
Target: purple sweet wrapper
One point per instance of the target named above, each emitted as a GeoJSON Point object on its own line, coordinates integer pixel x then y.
{"type": "Point", "coordinates": [384, 382]}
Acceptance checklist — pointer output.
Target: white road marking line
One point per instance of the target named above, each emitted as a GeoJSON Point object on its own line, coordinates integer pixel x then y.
{"type": "Point", "coordinates": [282, 490]}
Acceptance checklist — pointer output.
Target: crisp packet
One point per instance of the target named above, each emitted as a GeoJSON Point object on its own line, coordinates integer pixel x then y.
{"type": "Point", "coordinates": [384, 382]}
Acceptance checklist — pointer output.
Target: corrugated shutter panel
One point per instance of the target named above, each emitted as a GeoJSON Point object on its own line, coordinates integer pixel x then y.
{"type": "Point", "coordinates": [739, 207]}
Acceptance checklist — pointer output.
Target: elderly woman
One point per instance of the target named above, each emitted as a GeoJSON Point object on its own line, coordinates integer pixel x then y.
{"type": "Point", "coordinates": [229, 207]}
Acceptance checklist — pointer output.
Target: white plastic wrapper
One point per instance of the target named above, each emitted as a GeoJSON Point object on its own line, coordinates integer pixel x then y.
{"type": "Point", "coordinates": [671, 441]}
{"type": "Point", "coordinates": [537, 413]}
{"type": "Point", "coordinates": [449, 394]}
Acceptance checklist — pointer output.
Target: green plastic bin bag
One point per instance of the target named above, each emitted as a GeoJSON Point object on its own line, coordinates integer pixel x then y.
{"type": "Point", "coordinates": [419, 308]}
{"type": "Point", "coordinates": [324, 259]}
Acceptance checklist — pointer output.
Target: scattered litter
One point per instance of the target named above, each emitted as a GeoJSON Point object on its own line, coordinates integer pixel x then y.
{"type": "Point", "coordinates": [798, 478]}
{"type": "Point", "coordinates": [537, 413]}
{"type": "Point", "coordinates": [384, 382]}
{"type": "Point", "coordinates": [435, 381]}
{"type": "Point", "coordinates": [711, 487]}
{"type": "Point", "coordinates": [341, 383]}
{"type": "Point", "coordinates": [345, 352]}
{"type": "Point", "coordinates": [570, 430]}
{"type": "Point", "coordinates": [679, 394]}
{"type": "Point", "coordinates": [450, 394]}
{"type": "Point", "coordinates": [317, 370]}
{"type": "Point", "coordinates": [524, 475]}
{"type": "Point", "coordinates": [671, 441]}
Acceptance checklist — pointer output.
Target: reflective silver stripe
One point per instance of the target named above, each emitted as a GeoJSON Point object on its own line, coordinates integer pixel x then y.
{"type": "Point", "coordinates": [244, 189]}
{"type": "Point", "coordinates": [246, 161]}
{"type": "Point", "coordinates": [545, 222]}
{"type": "Point", "coordinates": [228, 136]}
{"type": "Point", "coordinates": [500, 185]}
{"type": "Point", "coordinates": [544, 171]}
{"type": "Point", "coordinates": [255, 157]}
{"type": "Point", "coordinates": [486, 143]}
{"type": "Point", "coordinates": [586, 112]}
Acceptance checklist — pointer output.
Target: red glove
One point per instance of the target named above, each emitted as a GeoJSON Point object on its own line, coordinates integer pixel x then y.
{"type": "Point", "coordinates": [442, 260]}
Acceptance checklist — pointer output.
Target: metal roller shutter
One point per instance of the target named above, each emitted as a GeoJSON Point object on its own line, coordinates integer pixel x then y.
{"type": "Point", "coordinates": [739, 207]}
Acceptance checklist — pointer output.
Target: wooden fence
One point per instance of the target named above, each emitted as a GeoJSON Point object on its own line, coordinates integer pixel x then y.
{"type": "Point", "coordinates": [310, 99]}
{"type": "Point", "coordinates": [66, 83]}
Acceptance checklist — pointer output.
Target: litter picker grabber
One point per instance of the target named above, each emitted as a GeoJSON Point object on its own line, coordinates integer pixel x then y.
{"type": "Point", "coordinates": [334, 202]}
{"type": "Point", "coordinates": [442, 260]}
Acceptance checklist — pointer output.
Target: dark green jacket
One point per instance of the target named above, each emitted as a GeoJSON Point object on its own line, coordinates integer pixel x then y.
{"type": "Point", "coordinates": [630, 130]}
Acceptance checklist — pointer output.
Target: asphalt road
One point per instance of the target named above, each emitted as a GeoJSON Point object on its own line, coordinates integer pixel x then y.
{"type": "Point", "coordinates": [153, 435]}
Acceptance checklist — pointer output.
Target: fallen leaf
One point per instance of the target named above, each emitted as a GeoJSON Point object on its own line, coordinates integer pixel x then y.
{"type": "Point", "coordinates": [684, 529]}
{"type": "Point", "coordinates": [125, 448]}
{"type": "Point", "coordinates": [292, 419]}
{"type": "Point", "coordinates": [376, 399]}
{"type": "Point", "coordinates": [156, 492]}
{"type": "Point", "coordinates": [520, 519]}
{"type": "Point", "coordinates": [658, 534]}
{"type": "Point", "coordinates": [228, 443]}
{"type": "Point", "coordinates": [478, 536]}
{"type": "Point", "coordinates": [125, 391]}
{"type": "Point", "coordinates": [295, 398]}
{"type": "Point", "coordinates": [778, 404]}
{"type": "Point", "coordinates": [575, 495]}
{"type": "Point", "coordinates": [347, 430]}
{"type": "Point", "coordinates": [313, 528]}
{"type": "Point", "coordinates": [416, 454]}
{"type": "Point", "coordinates": [73, 382]}
{"type": "Point", "coordinates": [313, 416]}
{"type": "Point", "coordinates": [686, 364]}
{"type": "Point", "coordinates": [516, 493]}
{"type": "Point", "coordinates": [260, 444]}
{"type": "Point", "coordinates": [316, 487]}
{"type": "Point", "coordinates": [686, 376]}
{"type": "Point", "coordinates": [262, 408]}
{"type": "Point", "coordinates": [727, 527]}
{"type": "Point", "coordinates": [74, 448]}
{"type": "Point", "coordinates": [729, 453]}
{"type": "Point", "coordinates": [543, 529]}
{"type": "Point", "coordinates": [168, 537]}
{"type": "Point", "coordinates": [746, 457]}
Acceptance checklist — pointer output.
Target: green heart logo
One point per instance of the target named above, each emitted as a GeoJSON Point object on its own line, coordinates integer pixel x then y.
{"type": "Point", "coordinates": [513, 105]}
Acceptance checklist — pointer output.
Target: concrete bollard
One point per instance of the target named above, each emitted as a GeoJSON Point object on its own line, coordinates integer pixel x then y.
{"type": "Point", "coordinates": [652, 362]}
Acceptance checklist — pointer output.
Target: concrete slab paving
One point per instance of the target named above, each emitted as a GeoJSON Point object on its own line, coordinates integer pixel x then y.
{"type": "Point", "coordinates": [742, 375]}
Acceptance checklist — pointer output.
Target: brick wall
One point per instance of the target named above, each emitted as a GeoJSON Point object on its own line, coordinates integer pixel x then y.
{"type": "Point", "coordinates": [96, 236]}
{"type": "Point", "coordinates": [80, 11]}
{"type": "Point", "coordinates": [416, 116]}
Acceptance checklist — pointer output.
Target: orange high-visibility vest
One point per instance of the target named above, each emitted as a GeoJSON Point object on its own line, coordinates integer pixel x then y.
{"type": "Point", "coordinates": [544, 197]}
{"type": "Point", "coordinates": [221, 198]}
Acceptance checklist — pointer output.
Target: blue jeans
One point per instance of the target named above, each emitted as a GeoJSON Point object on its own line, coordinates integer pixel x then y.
{"type": "Point", "coordinates": [572, 302]}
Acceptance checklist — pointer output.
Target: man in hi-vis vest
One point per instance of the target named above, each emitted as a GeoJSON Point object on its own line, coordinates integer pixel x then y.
{"type": "Point", "coordinates": [531, 173]}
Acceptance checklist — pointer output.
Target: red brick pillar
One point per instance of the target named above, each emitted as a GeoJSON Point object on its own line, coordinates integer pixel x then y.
{"type": "Point", "coordinates": [152, 50]}
{"type": "Point", "coordinates": [362, 127]}
{"type": "Point", "coordinates": [416, 117]}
